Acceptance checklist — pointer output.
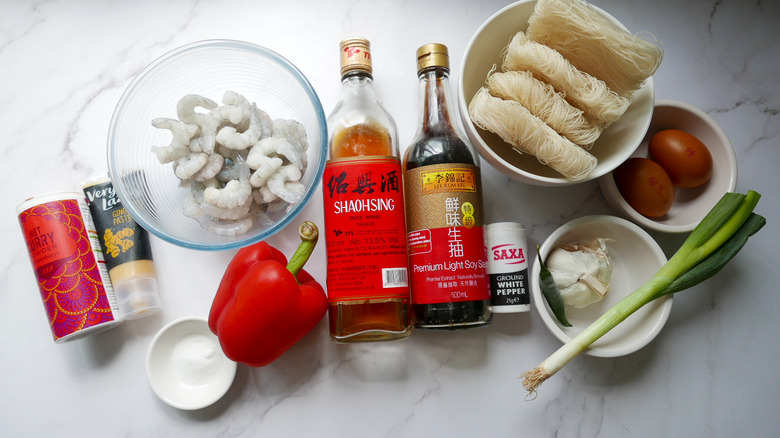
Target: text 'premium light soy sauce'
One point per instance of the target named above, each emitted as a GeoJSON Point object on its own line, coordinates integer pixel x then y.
{"type": "Point", "coordinates": [448, 262]}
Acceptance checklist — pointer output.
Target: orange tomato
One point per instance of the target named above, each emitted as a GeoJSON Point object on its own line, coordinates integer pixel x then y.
{"type": "Point", "coordinates": [645, 185]}
{"type": "Point", "coordinates": [684, 157]}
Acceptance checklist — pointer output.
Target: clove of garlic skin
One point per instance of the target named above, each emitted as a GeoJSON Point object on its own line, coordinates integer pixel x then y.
{"type": "Point", "coordinates": [582, 272]}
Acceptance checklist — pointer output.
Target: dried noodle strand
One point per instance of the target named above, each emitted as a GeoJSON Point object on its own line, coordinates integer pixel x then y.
{"type": "Point", "coordinates": [595, 45]}
{"type": "Point", "coordinates": [527, 133]}
{"type": "Point", "coordinates": [601, 105]}
{"type": "Point", "coordinates": [544, 102]}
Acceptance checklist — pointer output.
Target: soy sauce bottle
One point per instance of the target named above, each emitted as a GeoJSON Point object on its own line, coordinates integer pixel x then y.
{"type": "Point", "coordinates": [450, 287]}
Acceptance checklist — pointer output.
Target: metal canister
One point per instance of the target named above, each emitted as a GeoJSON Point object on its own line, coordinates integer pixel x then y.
{"type": "Point", "coordinates": [508, 267]}
{"type": "Point", "coordinates": [68, 264]}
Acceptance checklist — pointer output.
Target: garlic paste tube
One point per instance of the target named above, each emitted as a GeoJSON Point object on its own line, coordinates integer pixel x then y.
{"type": "Point", "coordinates": [126, 250]}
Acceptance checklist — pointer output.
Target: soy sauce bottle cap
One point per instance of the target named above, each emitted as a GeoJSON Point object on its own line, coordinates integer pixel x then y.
{"type": "Point", "coordinates": [432, 55]}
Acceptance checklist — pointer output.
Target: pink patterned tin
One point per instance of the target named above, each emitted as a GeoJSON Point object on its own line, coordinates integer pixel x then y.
{"type": "Point", "coordinates": [65, 255]}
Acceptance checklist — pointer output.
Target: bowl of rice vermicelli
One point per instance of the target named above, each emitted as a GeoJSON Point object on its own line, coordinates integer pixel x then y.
{"type": "Point", "coordinates": [557, 92]}
{"type": "Point", "coordinates": [217, 144]}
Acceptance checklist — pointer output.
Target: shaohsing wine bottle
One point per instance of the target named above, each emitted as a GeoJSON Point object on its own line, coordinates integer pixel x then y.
{"type": "Point", "coordinates": [367, 273]}
{"type": "Point", "coordinates": [450, 286]}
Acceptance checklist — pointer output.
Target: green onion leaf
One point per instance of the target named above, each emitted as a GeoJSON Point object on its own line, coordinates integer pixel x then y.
{"type": "Point", "coordinates": [718, 259]}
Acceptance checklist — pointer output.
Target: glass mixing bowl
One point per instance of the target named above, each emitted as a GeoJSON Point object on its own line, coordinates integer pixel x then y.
{"type": "Point", "coordinates": [149, 190]}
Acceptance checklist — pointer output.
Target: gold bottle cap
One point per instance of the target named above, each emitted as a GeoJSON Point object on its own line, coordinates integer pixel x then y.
{"type": "Point", "coordinates": [432, 55]}
{"type": "Point", "coordinates": [355, 55]}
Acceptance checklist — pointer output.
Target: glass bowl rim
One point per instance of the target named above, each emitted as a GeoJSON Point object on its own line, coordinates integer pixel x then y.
{"type": "Point", "coordinates": [230, 44]}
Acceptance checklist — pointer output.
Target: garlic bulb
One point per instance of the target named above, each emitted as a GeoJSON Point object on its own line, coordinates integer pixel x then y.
{"type": "Point", "coordinates": [582, 272]}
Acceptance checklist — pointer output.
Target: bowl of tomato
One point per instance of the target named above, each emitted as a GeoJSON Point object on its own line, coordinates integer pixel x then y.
{"type": "Point", "coordinates": [682, 167]}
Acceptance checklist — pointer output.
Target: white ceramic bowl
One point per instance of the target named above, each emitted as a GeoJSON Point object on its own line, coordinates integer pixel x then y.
{"type": "Point", "coordinates": [635, 258]}
{"type": "Point", "coordinates": [690, 205]}
{"type": "Point", "coordinates": [149, 190]}
{"type": "Point", "coordinates": [186, 367]}
{"type": "Point", "coordinates": [484, 51]}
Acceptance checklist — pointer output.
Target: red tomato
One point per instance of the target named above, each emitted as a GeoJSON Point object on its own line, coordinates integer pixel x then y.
{"type": "Point", "coordinates": [645, 186]}
{"type": "Point", "coordinates": [684, 157]}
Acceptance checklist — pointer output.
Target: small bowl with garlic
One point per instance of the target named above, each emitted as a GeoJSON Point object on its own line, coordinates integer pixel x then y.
{"type": "Point", "coordinates": [596, 261]}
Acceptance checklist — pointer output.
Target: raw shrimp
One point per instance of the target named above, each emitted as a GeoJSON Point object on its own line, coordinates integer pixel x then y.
{"type": "Point", "coordinates": [185, 108]}
{"type": "Point", "coordinates": [264, 195]}
{"type": "Point", "coordinates": [221, 115]}
{"type": "Point", "coordinates": [295, 133]}
{"type": "Point", "coordinates": [241, 167]}
{"type": "Point", "coordinates": [182, 133]}
{"type": "Point", "coordinates": [230, 171]}
{"type": "Point", "coordinates": [198, 187]}
{"type": "Point", "coordinates": [211, 169]}
{"type": "Point", "coordinates": [233, 99]}
{"type": "Point", "coordinates": [230, 213]}
{"type": "Point", "coordinates": [278, 146]}
{"type": "Point", "coordinates": [235, 166]}
{"type": "Point", "coordinates": [265, 171]}
{"type": "Point", "coordinates": [267, 124]}
{"type": "Point", "coordinates": [223, 227]}
{"type": "Point", "coordinates": [285, 184]}
{"type": "Point", "coordinates": [192, 207]}
{"type": "Point", "coordinates": [263, 120]}
{"type": "Point", "coordinates": [229, 137]}
{"type": "Point", "coordinates": [257, 197]}
{"type": "Point", "coordinates": [270, 202]}
{"type": "Point", "coordinates": [190, 164]}
{"type": "Point", "coordinates": [198, 192]}
{"type": "Point", "coordinates": [292, 130]}
{"type": "Point", "coordinates": [235, 193]}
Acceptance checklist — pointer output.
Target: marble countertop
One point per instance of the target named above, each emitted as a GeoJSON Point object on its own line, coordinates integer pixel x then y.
{"type": "Point", "coordinates": [63, 67]}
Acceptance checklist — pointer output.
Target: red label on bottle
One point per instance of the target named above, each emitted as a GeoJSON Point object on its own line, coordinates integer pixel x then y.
{"type": "Point", "coordinates": [442, 271]}
{"type": "Point", "coordinates": [365, 229]}
{"type": "Point", "coordinates": [447, 254]}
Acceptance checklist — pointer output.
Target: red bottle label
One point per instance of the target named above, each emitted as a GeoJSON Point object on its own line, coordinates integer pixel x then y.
{"type": "Point", "coordinates": [441, 269]}
{"type": "Point", "coordinates": [447, 254]}
{"type": "Point", "coordinates": [365, 229]}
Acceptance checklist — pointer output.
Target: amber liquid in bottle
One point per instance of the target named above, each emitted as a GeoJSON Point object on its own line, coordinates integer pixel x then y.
{"type": "Point", "coordinates": [438, 142]}
{"type": "Point", "coordinates": [360, 127]}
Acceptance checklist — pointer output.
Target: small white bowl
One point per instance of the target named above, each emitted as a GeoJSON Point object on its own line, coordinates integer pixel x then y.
{"type": "Point", "coordinates": [614, 145]}
{"type": "Point", "coordinates": [635, 258]}
{"type": "Point", "coordinates": [186, 367]}
{"type": "Point", "coordinates": [690, 205]}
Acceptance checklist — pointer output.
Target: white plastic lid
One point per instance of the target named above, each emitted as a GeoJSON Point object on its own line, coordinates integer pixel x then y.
{"type": "Point", "coordinates": [137, 297]}
{"type": "Point", "coordinates": [512, 308]}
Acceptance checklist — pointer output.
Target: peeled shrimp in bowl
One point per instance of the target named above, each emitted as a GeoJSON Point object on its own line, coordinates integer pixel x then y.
{"type": "Point", "coordinates": [218, 98]}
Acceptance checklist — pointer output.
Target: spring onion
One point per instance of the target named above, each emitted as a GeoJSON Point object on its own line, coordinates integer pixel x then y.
{"type": "Point", "coordinates": [717, 239]}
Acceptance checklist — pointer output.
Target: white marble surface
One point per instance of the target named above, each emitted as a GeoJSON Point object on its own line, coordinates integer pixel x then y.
{"type": "Point", "coordinates": [64, 65]}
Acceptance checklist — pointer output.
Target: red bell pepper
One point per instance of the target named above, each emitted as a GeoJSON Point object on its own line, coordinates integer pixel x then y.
{"type": "Point", "coordinates": [265, 305]}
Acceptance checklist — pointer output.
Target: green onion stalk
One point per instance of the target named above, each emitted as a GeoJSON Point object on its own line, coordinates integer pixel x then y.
{"type": "Point", "coordinates": [717, 239]}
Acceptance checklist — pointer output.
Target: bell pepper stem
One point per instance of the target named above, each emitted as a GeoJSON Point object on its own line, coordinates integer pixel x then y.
{"type": "Point", "coordinates": [309, 235]}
